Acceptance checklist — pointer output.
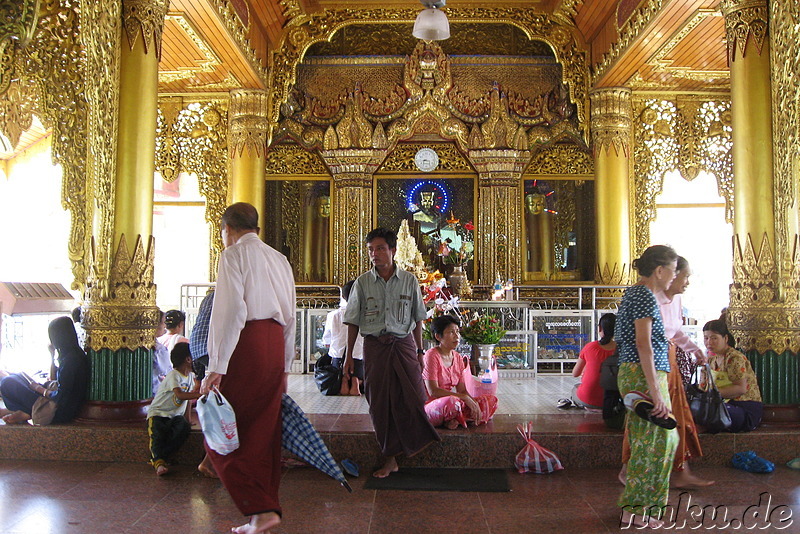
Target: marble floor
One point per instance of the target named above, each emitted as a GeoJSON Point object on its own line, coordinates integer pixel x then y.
{"type": "Point", "coordinates": [515, 394]}
{"type": "Point", "coordinates": [127, 498]}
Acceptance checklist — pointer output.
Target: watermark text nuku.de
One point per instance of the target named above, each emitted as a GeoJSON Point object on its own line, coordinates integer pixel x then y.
{"type": "Point", "coordinates": [766, 515]}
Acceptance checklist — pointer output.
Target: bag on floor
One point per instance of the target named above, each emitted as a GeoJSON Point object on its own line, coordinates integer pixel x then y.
{"type": "Point", "coordinates": [327, 376]}
{"type": "Point", "coordinates": [707, 405]}
{"type": "Point", "coordinates": [218, 422]}
{"type": "Point", "coordinates": [44, 409]}
{"type": "Point", "coordinates": [533, 458]}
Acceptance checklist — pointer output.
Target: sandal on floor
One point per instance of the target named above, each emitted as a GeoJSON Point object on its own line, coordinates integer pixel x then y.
{"type": "Point", "coordinates": [564, 404]}
{"type": "Point", "coordinates": [748, 461]}
{"type": "Point", "coordinates": [794, 464]}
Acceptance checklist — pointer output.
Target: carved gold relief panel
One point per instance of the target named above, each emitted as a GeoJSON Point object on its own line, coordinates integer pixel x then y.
{"type": "Point", "coordinates": [42, 72]}
{"type": "Point", "coordinates": [304, 30]}
{"type": "Point", "coordinates": [191, 137]}
{"type": "Point", "coordinates": [687, 135]}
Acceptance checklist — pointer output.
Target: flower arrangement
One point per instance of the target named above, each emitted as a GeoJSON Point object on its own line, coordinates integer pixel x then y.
{"type": "Point", "coordinates": [441, 307]}
{"type": "Point", "coordinates": [483, 330]}
{"type": "Point", "coordinates": [456, 244]}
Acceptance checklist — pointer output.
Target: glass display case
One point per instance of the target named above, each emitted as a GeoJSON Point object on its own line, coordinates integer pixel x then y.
{"type": "Point", "coordinates": [561, 335]}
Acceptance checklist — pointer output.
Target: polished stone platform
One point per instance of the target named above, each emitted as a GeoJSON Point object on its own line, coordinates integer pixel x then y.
{"type": "Point", "coordinates": [579, 438]}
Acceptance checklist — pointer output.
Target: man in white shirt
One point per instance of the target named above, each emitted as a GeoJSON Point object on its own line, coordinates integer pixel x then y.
{"type": "Point", "coordinates": [251, 341]}
{"type": "Point", "coordinates": [335, 336]}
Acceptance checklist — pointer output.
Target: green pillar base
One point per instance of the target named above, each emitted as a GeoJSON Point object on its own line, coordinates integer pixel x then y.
{"type": "Point", "coordinates": [779, 382]}
{"type": "Point", "coordinates": [123, 375]}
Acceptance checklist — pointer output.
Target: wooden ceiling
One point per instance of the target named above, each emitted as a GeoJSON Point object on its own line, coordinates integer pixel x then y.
{"type": "Point", "coordinates": [679, 47]}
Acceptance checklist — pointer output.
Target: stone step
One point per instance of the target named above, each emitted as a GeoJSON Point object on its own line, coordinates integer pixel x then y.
{"type": "Point", "coordinates": [579, 440]}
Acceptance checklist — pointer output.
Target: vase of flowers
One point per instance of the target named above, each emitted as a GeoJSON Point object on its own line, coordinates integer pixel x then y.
{"type": "Point", "coordinates": [483, 332]}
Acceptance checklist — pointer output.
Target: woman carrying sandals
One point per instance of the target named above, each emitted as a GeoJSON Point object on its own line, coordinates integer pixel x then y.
{"type": "Point", "coordinates": [689, 442]}
{"type": "Point", "coordinates": [644, 365]}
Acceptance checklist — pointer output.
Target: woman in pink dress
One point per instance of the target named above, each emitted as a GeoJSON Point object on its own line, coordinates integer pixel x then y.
{"type": "Point", "coordinates": [449, 403]}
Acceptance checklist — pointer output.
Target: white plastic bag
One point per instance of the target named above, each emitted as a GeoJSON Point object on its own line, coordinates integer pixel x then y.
{"type": "Point", "coordinates": [218, 422]}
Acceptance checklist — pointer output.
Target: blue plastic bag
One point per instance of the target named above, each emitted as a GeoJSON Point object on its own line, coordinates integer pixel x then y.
{"type": "Point", "coordinates": [218, 422]}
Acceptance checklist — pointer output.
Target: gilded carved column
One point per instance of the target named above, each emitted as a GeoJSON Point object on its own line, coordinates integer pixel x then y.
{"type": "Point", "coordinates": [612, 138]}
{"type": "Point", "coordinates": [764, 311]}
{"type": "Point", "coordinates": [247, 142]}
{"type": "Point", "coordinates": [352, 216]}
{"type": "Point", "coordinates": [120, 315]}
{"type": "Point", "coordinates": [499, 225]}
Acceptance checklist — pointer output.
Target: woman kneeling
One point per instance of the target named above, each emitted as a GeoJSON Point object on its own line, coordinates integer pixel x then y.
{"type": "Point", "coordinates": [444, 372]}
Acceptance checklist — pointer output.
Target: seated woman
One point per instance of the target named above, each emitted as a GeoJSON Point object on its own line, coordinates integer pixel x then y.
{"type": "Point", "coordinates": [734, 378]}
{"type": "Point", "coordinates": [19, 395]}
{"type": "Point", "coordinates": [588, 393]}
{"type": "Point", "coordinates": [443, 372]}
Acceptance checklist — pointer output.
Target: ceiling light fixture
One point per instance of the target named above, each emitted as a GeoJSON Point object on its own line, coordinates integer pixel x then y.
{"type": "Point", "coordinates": [431, 23]}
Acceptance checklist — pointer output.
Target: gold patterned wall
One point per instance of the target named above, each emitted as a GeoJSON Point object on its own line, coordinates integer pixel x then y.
{"type": "Point", "coordinates": [303, 30]}
{"type": "Point", "coordinates": [191, 137]}
{"type": "Point", "coordinates": [679, 133]}
{"type": "Point", "coordinates": [42, 72]}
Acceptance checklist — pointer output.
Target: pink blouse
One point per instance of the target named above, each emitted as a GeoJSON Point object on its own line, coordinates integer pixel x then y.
{"type": "Point", "coordinates": [672, 315]}
{"type": "Point", "coordinates": [446, 377]}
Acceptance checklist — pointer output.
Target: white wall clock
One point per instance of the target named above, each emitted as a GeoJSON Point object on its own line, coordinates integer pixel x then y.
{"type": "Point", "coordinates": [426, 159]}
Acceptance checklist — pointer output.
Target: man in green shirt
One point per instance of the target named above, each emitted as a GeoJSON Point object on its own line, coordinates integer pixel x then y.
{"type": "Point", "coordinates": [386, 308]}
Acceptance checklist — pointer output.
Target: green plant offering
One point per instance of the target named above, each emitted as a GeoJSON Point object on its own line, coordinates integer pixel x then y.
{"type": "Point", "coordinates": [483, 330]}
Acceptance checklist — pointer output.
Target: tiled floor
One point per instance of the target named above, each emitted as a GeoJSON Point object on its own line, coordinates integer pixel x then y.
{"type": "Point", "coordinates": [515, 396]}
{"type": "Point", "coordinates": [80, 497]}
{"type": "Point", "coordinates": [76, 497]}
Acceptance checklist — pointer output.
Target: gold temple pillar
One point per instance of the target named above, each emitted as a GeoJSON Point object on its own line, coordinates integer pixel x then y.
{"type": "Point", "coordinates": [120, 315]}
{"type": "Point", "coordinates": [764, 310]}
{"type": "Point", "coordinates": [499, 224]}
{"type": "Point", "coordinates": [351, 208]}
{"type": "Point", "coordinates": [612, 138]}
{"type": "Point", "coordinates": [247, 142]}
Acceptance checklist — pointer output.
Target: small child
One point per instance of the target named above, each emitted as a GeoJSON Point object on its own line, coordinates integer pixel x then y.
{"type": "Point", "coordinates": [167, 425]}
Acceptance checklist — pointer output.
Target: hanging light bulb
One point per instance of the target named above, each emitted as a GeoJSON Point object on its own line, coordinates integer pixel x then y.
{"type": "Point", "coordinates": [431, 23]}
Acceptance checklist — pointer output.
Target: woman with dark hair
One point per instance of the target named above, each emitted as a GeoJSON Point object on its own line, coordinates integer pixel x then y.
{"type": "Point", "coordinates": [643, 368]}
{"type": "Point", "coordinates": [175, 321]}
{"type": "Point", "coordinates": [734, 377]}
{"type": "Point", "coordinates": [20, 394]}
{"type": "Point", "coordinates": [443, 372]}
{"type": "Point", "coordinates": [688, 442]}
{"type": "Point", "coordinates": [588, 393]}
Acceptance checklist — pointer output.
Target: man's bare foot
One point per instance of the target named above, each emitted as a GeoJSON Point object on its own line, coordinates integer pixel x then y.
{"type": "Point", "coordinates": [206, 468]}
{"type": "Point", "coordinates": [628, 519]}
{"type": "Point", "coordinates": [16, 418]}
{"type": "Point", "coordinates": [686, 480]}
{"type": "Point", "coordinates": [388, 468]}
{"type": "Point", "coordinates": [259, 524]}
{"type": "Point", "coordinates": [4, 412]}
{"type": "Point", "coordinates": [162, 470]}
{"type": "Point", "coordinates": [623, 474]}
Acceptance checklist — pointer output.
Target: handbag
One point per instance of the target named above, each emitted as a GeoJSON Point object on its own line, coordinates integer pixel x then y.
{"type": "Point", "coordinates": [327, 376]}
{"type": "Point", "coordinates": [707, 405]}
{"type": "Point", "coordinates": [218, 422]}
{"type": "Point", "coordinates": [44, 409]}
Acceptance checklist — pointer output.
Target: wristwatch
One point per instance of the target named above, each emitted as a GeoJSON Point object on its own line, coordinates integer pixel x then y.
{"type": "Point", "coordinates": [420, 351]}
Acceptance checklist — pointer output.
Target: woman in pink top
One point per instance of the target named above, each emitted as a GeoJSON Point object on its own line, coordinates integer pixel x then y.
{"type": "Point", "coordinates": [443, 373]}
{"type": "Point", "coordinates": [588, 393]}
